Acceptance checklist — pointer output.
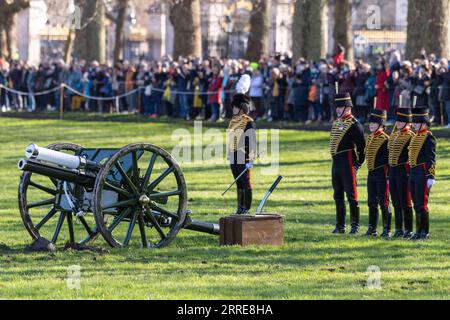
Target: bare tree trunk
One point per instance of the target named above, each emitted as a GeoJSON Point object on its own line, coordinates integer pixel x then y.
{"type": "Point", "coordinates": [258, 43]}
{"type": "Point", "coordinates": [343, 30]}
{"type": "Point", "coordinates": [318, 30]}
{"type": "Point", "coordinates": [8, 41]}
{"type": "Point", "coordinates": [299, 29]}
{"type": "Point", "coordinates": [185, 18]}
{"type": "Point", "coordinates": [309, 29]}
{"type": "Point", "coordinates": [69, 46]}
{"type": "Point", "coordinates": [415, 33]}
{"type": "Point", "coordinates": [11, 37]}
{"type": "Point", "coordinates": [90, 38]}
{"type": "Point", "coordinates": [3, 51]}
{"type": "Point", "coordinates": [437, 35]}
{"type": "Point", "coordinates": [120, 23]}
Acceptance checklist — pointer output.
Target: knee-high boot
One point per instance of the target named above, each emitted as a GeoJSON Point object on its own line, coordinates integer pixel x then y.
{"type": "Point", "coordinates": [240, 202]}
{"type": "Point", "coordinates": [373, 222]}
{"type": "Point", "coordinates": [387, 218]}
{"type": "Point", "coordinates": [408, 216]}
{"type": "Point", "coordinates": [340, 216]}
{"type": "Point", "coordinates": [398, 222]}
{"type": "Point", "coordinates": [354, 217]}
{"type": "Point", "coordinates": [247, 200]}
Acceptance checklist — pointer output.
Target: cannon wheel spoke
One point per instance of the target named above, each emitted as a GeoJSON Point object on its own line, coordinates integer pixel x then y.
{"type": "Point", "coordinates": [59, 224]}
{"type": "Point", "coordinates": [164, 211]}
{"type": "Point", "coordinates": [165, 194]}
{"type": "Point", "coordinates": [148, 173]}
{"type": "Point", "coordinates": [43, 188]}
{"type": "Point", "coordinates": [135, 168]}
{"type": "Point", "coordinates": [130, 229]}
{"type": "Point", "coordinates": [155, 224]}
{"type": "Point", "coordinates": [45, 219]}
{"type": "Point", "coordinates": [158, 180]}
{"type": "Point", "coordinates": [118, 204]}
{"type": "Point", "coordinates": [142, 229]}
{"type": "Point", "coordinates": [118, 219]}
{"type": "Point", "coordinates": [118, 190]}
{"type": "Point", "coordinates": [126, 177]}
{"type": "Point", "coordinates": [41, 203]}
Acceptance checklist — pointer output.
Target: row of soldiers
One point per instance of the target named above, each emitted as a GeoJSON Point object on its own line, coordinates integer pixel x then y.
{"type": "Point", "coordinates": [401, 165]}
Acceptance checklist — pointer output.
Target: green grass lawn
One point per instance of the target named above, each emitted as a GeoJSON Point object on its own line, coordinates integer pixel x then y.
{"type": "Point", "coordinates": [313, 264]}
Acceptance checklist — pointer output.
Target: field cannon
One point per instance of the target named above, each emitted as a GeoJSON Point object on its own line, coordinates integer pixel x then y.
{"type": "Point", "coordinates": [107, 192]}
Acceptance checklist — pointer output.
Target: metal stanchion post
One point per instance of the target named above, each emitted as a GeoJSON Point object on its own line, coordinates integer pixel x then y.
{"type": "Point", "coordinates": [61, 102]}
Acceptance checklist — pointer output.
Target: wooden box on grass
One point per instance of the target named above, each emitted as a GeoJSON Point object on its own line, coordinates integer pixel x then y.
{"type": "Point", "coordinates": [244, 230]}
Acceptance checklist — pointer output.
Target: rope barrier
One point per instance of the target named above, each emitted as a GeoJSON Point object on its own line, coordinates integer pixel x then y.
{"type": "Point", "coordinates": [23, 93]}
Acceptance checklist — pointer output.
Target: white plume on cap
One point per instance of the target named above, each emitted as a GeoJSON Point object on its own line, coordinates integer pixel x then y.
{"type": "Point", "coordinates": [243, 86]}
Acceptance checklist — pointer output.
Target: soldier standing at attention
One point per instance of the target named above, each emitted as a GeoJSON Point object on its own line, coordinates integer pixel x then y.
{"type": "Point", "coordinates": [377, 180]}
{"type": "Point", "coordinates": [399, 173]}
{"type": "Point", "coordinates": [422, 159]}
{"type": "Point", "coordinates": [242, 144]}
{"type": "Point", "coordinates": [347, 144]}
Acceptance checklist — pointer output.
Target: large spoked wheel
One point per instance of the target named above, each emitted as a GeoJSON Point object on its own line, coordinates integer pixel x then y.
{"type": "Point", "coordinates": [37, 196]}
{"type": "Point", "coordinates": [140, 184]}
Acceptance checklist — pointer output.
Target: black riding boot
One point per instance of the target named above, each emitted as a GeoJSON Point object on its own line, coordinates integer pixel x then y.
{"type": "Point", "coordinates": [387, 217]}
{"type": "Point", "coordinates": [408, 216]}
{"type": "Point", "coordinates": [246, 200]}
{"type": "Point", "coordinates": [418, 234]}
{"type": "Point", "coordinates": [425, 226]}
{"type": "Point", "coordinates": [354, 218]}
{"type": "Point", "coordinates": [398, 222]}
{"type": "Point", "coordinates": [240, 201]}
{"type": "Point", "coordinates": [373, 222]}
{"type": "Point", "coordinates": [340, 216]}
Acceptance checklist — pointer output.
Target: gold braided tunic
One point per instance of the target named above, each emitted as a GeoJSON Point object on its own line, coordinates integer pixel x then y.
{"type": "Point", "coordinates": [373, 145]}
{"type": "Point", "coordinates": [414, 148]}
{"type": "Point", "coordinates": [397, 143]}
{"type": "Point", "coordinates": [338, 131]}
{"type": "Point", "coordinates": [237, 133]}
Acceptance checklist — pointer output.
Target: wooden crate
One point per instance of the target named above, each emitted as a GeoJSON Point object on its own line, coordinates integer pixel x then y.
{"type": "Point", "coordinates": [244, 230]}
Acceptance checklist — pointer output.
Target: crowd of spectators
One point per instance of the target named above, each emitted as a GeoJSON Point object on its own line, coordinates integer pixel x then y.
{"type": "Point", "coordinates": [192, 88]}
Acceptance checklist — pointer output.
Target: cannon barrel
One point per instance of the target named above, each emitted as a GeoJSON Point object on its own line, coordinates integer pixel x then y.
{"type": "Point", "coordinates": [205, 227]}
{"type": "Point", "coordinates": [33, 152]}
{"type": "Point", "coordinates": [56, 172]}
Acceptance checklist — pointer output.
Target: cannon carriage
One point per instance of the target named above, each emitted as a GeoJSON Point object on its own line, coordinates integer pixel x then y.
{"type": "Point", "coordinates": [107, 192]}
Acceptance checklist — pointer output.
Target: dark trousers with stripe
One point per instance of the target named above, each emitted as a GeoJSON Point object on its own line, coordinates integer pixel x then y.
{"type": "Point", "coordinates": [419, 191]}
{"type": "Point", "coordinates": [401, 196]}
{"type": "Point", "coordinates": [344, 184]}
{"type": "Point", "coordinates": [378, 188]}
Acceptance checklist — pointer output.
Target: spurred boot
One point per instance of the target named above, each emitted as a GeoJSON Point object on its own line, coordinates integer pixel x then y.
{"type": "Point", "coordinates": [408, 216]}
{"type": "Point", "coordinates": [354, 218]}
{"type": "Point", "coordinates": [386, 217]}
{"type": "Point", "coordinates": [398, 222]}
{"type": "Point", "coordinates": [373, 222]}
{"type": "Point", "coordinates": [340, 217]}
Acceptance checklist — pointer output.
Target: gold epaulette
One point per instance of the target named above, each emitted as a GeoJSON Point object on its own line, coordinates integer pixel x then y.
{"type": "Point", "coordinates": [414, 148]}
{"type": "Point", "coordinates": [338, 131]}
{"type": "Point", "coordinates": [236, 129]}
{"type": "Point", "coordinates": [373, 144]}
{"type": "Point", "coordinates": [397, 143]}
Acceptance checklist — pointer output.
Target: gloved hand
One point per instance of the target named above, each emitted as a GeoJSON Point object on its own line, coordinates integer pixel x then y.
{"type": "Point", "coordinates": [249, 165]}
{"type": "Point", "coordinates": [430, 183]}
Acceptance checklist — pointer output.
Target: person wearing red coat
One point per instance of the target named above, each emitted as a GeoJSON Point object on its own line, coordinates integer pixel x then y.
{"type": "Point", "coordinates": [215, 93]}
{"type": "Point", "coordinates": [382, 89]}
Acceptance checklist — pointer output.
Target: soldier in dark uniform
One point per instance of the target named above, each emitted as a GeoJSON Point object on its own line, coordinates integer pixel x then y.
{"type": "Point", "coordinates": [399, 173]}
{"type": "Point", "coordinates": [422, 160]}
{"type": "Point", "coordinates": [347, 144]}
{"type": "Point", "coordinates": [377, 179]}
{"type": "Point", "coordinates": [242, 144]}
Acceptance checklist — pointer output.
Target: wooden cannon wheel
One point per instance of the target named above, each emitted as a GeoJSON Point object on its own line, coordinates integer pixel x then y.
{"type": "Point", "coordinates": [37, 196]}
{"type": "Point", "coordinates": [152, 194]}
